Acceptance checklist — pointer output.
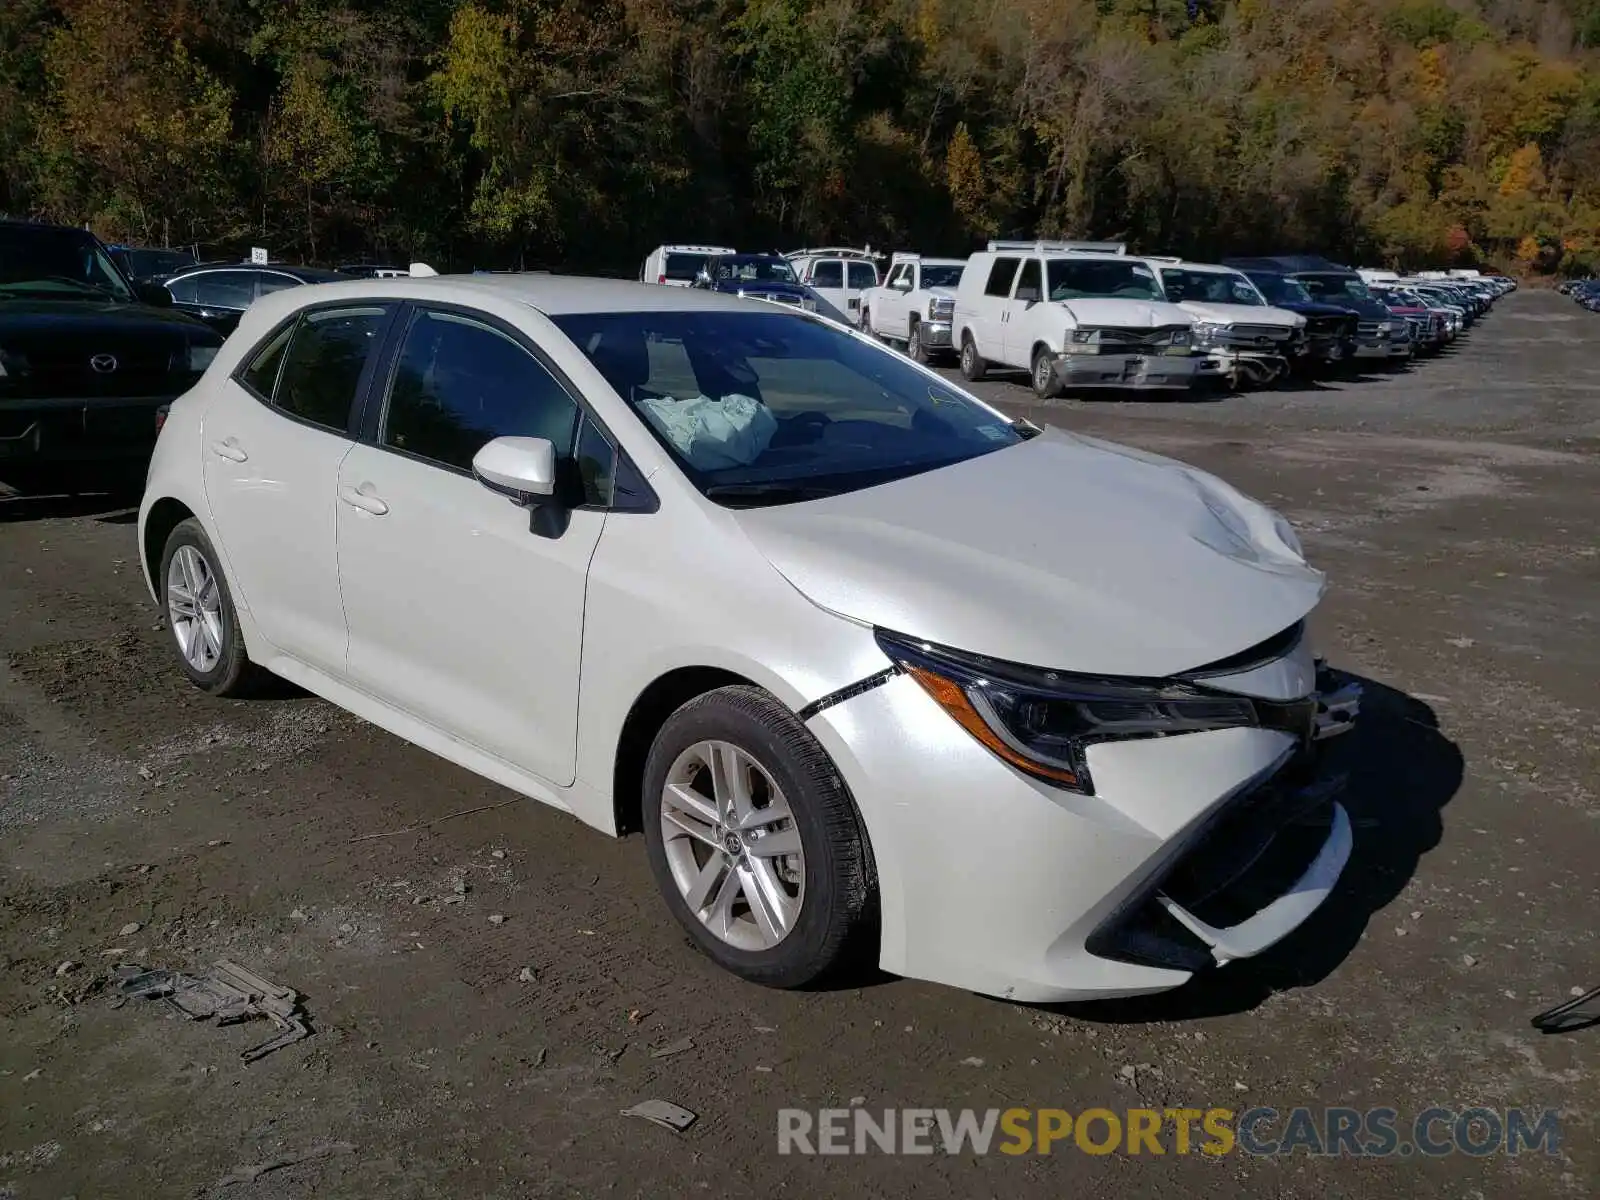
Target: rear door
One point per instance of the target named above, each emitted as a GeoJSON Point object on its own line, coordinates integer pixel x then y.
{"type": "Point", "coordinates": [994, 308]}
{"type": "Point", "coordinates": [826, 278]}
{"type": "Point", "coordinates": [272, 443]}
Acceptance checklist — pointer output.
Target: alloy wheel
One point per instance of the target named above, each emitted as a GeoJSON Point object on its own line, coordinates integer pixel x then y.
{"type": "Point", "coordinates": [732, 845]}
{"type": "Point", "coordinates": [194, 608]}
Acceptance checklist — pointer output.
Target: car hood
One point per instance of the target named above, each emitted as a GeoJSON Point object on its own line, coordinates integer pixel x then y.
{"type": "Point", "coordinates": [1125, 314]}
{"type": "Point", "coordinates": [1316, 308]}
{"type": "Point", "coordinates": [1062, 551]}
{"type": "Point", "coordinates": [25, 317]}
{"type": "Point", "coordinates": [1241, 314]}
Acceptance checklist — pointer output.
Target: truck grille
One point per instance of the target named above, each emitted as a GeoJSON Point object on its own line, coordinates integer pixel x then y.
{"type": "Point", "coordinates": [1367, 329]}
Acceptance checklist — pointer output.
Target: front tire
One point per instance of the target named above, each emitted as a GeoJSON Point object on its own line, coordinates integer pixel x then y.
{"type": "Point", "coordinates": [200, 615]}
{"type": "Point", "coordinates": [1045, 384]}
{"type": "Point", "coordinates": [973, 368]}
{"type": "Point", "coordinates": [914, 345]}
{"type": "Point", "coordinates": [754, 840]}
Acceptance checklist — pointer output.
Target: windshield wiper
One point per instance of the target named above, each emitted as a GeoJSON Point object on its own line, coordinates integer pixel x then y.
{"type": "Point", "coordinates": [756, 495]}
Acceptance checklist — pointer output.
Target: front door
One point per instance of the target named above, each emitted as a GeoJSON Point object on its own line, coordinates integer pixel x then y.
{"type": "Point", "coordinates": [459, 613]}
{"type": "Point", "coordinates": [272, 445]}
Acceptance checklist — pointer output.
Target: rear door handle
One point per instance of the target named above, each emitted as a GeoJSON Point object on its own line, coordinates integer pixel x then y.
{"type": "Point", "coordinates": [230, 450]}
{"type": "Point", "coordinates": [357, 498]}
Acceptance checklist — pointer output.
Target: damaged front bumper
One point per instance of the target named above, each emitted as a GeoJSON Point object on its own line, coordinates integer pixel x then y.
{"type": "Point", "coordinates": [1128, 370]}
{"type": "Point", "coordinates": [1247, 366]}
{"type": "Point", "coordinates": [1255, 870]}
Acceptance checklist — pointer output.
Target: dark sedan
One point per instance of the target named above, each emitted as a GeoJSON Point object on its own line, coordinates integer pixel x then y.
{"type": "Point", "coordinates": [219, 293]}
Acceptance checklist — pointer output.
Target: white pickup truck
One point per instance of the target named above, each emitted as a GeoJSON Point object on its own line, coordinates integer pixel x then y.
{"type": "Point", "coordinates": [915, 304]}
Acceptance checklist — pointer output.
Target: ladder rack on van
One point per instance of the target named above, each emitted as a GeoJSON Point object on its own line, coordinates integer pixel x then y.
{"type": "Point", "coordinates": [867, 255]}
{"type": "Point", "coordinates": [1049, 247]}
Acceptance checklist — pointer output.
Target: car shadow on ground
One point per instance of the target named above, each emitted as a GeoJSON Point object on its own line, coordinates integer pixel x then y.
{"type": "Point", "coordinates": [112, 508]}
{"type": "Point", "coordinates": [1402, 773]}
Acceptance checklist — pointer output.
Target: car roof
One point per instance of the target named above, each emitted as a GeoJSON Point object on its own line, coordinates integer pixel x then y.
{"type": "Point", "coordinates": [553, 295]}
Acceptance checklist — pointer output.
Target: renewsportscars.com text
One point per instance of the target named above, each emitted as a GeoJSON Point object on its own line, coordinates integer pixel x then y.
{"type": "Point", "coordinates": [1337, 1132]}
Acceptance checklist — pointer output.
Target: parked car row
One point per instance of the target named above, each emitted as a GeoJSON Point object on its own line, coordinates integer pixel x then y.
{"type": "Point", "coordinates": [1585, 291]}
{"type": "Point", "coordinates": [1080, 315]}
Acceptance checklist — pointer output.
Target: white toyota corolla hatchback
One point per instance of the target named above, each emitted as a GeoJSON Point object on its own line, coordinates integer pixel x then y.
{"type": "Point", "coordinates": [868, 663]}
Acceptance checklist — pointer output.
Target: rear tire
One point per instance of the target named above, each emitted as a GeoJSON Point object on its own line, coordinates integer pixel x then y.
{"type": "Point", "coordinates": [973, 368]}
{"type": "Point", "coordinates": [201, 617]}
{"type": "Point", "coordinates": [728, 771]}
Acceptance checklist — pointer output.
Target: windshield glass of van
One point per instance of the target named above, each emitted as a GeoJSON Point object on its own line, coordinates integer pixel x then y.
{"type": "Point", "coordinates": [767, 408]}
{"type": "Point", "coordinates": [1078, 279]}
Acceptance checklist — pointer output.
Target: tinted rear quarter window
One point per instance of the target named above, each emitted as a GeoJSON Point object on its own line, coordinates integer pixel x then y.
{"type": "Point", "coordinates": [225, 289]}
{"type": "Point", "coordinates": [323, 366]}
{"type": "Point", "coordinates": [827, 275]}
{"type": "Point", "coordinates": [682, 268]}
{"type": "Point", "coordinates": [1000, 277]}
{"type": "Point", "coordinates": [863, 275]}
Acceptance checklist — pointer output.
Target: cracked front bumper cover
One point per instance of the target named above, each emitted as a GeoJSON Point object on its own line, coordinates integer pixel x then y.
{"type": "Point", "coordinates": [1128, 370]}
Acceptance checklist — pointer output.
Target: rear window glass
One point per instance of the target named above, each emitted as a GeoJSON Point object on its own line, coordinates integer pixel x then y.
{"type": "Point", "coordinates": [682, 268]}
{"type": "Point", "coordinates": [325, 359]}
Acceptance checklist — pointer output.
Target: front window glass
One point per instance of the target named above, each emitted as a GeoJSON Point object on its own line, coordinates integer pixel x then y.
{"type": "Point", "coordinates": [1207, 287]}
{"type": "Point", "coordinates": [766, 408]}
{"type": "Point", "coordinates": [460, 384]}
{"type": "Point", "coordinates": [828, 275]}
{"type": "Point", "coordinates": [225, 289]}
{"type": "Point", "coordinates": [753, 269]}
{"type": "Point", "coordinates": [62, 261]}
{"type": "Point", "coordinates": [942, 277]}
{"type": "Point", "coordinates": [1081, 278]}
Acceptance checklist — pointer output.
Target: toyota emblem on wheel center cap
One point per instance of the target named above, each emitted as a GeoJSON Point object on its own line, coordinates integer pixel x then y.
{"type": "Point", "coordinates": [104, 363]}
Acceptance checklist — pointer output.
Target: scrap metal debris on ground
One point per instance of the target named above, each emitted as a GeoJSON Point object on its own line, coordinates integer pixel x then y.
{"type": "Point", "coordinates": [1572, 1015]}
{"type": "Point", "coordinates": [230, 994]}
{"type": "Point", "coordinates": [663, 1113]}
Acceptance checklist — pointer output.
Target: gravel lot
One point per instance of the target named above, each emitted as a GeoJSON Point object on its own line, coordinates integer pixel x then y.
{"type": "Point", "coordinates": [1453, 506]}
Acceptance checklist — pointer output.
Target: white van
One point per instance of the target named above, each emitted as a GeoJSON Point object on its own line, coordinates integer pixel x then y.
{"type": "Point", "coordinates": [838, 274]}
{"type": "Point", "coordinates": [1071, 319]}
{"type": "Point", "coordinates": [677, 266]}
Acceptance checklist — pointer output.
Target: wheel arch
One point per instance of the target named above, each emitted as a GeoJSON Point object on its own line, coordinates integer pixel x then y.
{"type": "Point", "coordinates": [662, 697]}
{"type": "Point", "coordinates": [164, 515]}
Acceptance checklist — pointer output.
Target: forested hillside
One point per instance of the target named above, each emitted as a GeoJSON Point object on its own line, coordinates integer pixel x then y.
{"type": "Point", "coordinates": [583, 132]}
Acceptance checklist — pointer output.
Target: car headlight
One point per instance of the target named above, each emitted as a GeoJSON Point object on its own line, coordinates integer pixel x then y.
{"type": "Point", "coordinates": [1203, 333]}
{"type": "Point", "coordinates": [1186, 337]}
{"type": "Point", "coordinates": [1043, 722]}
{"type": "Point", "coordinates": [1082, 337]}
{"type": "Point", "coordinates": [201, 357]}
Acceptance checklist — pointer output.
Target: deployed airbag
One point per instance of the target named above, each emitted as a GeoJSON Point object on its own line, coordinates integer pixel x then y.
{"type": "Point", "coordinates": [711, 434]}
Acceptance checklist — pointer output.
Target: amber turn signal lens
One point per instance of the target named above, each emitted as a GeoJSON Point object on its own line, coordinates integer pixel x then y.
{"type": "Point", "coordinates": [952, 697]}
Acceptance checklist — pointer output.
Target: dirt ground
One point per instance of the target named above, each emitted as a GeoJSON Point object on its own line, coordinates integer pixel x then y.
{"type": "Point", "coordinates": [1454, 507]}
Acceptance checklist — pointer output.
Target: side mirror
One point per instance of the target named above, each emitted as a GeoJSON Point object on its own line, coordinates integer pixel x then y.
{"type": "Point", "coordinates": [702, 279]}
{"type": "Point", "coordinates": [523, 469]}
{"type": "Point", "coordinates": [153, 294]}
{"type": "Point", "coordinates": [1028, 295]}
{"type": "Point", "coordinates": [903, 284]}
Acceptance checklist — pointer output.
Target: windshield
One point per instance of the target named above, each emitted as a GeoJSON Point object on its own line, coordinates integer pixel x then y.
{"type": "Point", "coordinates": [1208, 287]}
{"type": "Point", "coordinates": [1280, 289]}
{"type": "Point", "coordinates": [64, 261]}
{"type": "Point", "coordinates": [1332, 288]}
{"type": "Point", "coordinates": [1075, 279]}
{"type": "Point", "coordinates": [752, 268]}
{"type": "Point", "coordinates": [767, 408]}
{"type": "Point", "coordinates": [942, 277]}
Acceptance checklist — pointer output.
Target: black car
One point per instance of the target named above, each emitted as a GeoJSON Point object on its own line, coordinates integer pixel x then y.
{"type": "Point", "coordinates": [87, 361]}
{"type": "Point", "coordinates": [141, 263]}
{"type": "Point", "coordinates": [218, 293]}
{"type": "Point", "coordinates": [757, 276]}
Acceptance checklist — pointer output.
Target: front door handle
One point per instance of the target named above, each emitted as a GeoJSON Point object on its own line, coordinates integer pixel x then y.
{"type": "Point", "coordinates": [357, 498]}
{"type": "Point", "coordinates": [230, 450]}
